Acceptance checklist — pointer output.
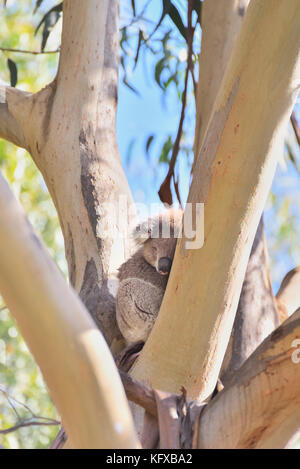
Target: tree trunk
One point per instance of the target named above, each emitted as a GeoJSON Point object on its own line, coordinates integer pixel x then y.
{"type": "Point", "coordinates": [232, 176]}
{"type": "Point", "coordinates": [70, 350]}
{"type": "Point", "coordinates": [257, 312]}
{"type": "Point", "coordinates": [69, 130]}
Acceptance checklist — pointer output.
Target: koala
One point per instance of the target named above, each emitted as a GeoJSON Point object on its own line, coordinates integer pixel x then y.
{"type": "Point", "coordinates": [144, 276]}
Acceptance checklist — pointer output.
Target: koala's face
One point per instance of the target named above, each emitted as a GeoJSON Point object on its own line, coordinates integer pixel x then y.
{"type": "Point", "coordinates": [158, 236]}
{"type": "Point", "coordinates": [159, 252]}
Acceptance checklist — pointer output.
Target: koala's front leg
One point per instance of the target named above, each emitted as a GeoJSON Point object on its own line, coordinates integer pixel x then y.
{"type": "Point", "coordinates": [137, 307]}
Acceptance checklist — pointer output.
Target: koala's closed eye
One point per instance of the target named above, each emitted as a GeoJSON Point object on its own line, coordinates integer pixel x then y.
{"type": "Point", "coordinates": [143, 278]}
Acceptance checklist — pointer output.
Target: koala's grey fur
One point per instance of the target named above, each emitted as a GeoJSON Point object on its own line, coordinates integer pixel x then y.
{"type": "Point", "coordinates": [143, 277]}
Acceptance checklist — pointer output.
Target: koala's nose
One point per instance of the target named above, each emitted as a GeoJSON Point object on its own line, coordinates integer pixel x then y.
{"type": "Point", "coordinates": [164, 265]}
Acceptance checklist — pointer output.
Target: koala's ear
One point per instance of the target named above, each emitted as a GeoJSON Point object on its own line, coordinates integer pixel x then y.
{"type": "Point", "coordinates": [142, 232]}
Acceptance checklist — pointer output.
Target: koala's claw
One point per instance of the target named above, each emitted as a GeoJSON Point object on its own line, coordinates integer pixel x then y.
{"type": "Point", "coordinates": [128, 355]}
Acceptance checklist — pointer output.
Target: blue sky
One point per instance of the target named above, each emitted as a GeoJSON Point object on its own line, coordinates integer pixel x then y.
{"type": "Point", "coordinates": [145, 114]}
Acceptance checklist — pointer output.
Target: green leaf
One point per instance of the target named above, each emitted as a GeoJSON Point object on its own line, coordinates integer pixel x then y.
{"type": "Point", "coordinates": [171, 78]}
{"type": "Point", "coordinates": [176, 18]}
{"type": "Point", "coordinates": [148, 144]}
{"type": "Point", "coordinates": [133, 7]}
{"type": "Point", "coordinates": [198, 9]}
{"type": "Point", "coordinates": [292, 157]}
{"type": "Point", "coordinates": [13, 72]}
{"type": "Point", "coordinates": [124, 40]}
{"type": "Point", "coordinates": [49, 20]}
{"type": "Point", "coordinates": [170, 9]}
{"type": "Point", "coordinates": [37, 5]}
{"type": "Point", "coordinates": [141, 38]}
{"type": "Point", "coordinates": [165, 151]}
{"type": "Point", "coordinates": [129, 150]}
{"type": "Point", "coordinates": [56, 8]}
{"type": "Point", "coordinates": [159, 67]}
{"type": "Point", "coordinates": [132, 88]}
{"type": "Point", "coordinates": [122, 62]}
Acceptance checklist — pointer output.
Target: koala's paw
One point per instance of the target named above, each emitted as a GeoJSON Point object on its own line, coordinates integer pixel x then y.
{"type": "Point", "coordinates": [137, 307]}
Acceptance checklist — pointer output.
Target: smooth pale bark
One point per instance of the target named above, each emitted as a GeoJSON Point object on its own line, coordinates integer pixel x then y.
{"type": "Point", "coordinates": [69, 129]}
{"type": "Point", "coordinates": [260, 407]}
{"type": "Point", "coordinates": [9, 126]}
{"type": "Point", "coordinates": [70, 350]}
{"type": "Point", "coordinates": [257, 314]}
{"type": "Point", "coordinates": [221, 23]}
{"type": "Point", "coordinates": [232, 176]}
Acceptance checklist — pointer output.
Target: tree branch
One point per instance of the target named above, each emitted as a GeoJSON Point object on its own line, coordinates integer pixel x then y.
{"type": "Point", "coordinates": [33, 52]}
{"type": "Point", "coordinates": [71, 352]}
{"type": "Point", "coordinates": [139, 393]}
{"type": "Point", "coordinates": [257, 315]}
{"type": "Point", "coordinates": [296, 127]}
{"type": "Point", "coordinates": [260, 406]}
{"type": "Point", "coordinates": [29, 423]}
{"type": "Point", "coordinates": [10, 128]}
{"type": "Point", "coordinates": [164, 192]}
{"type": "Point", "coordinates": [221, 23]}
